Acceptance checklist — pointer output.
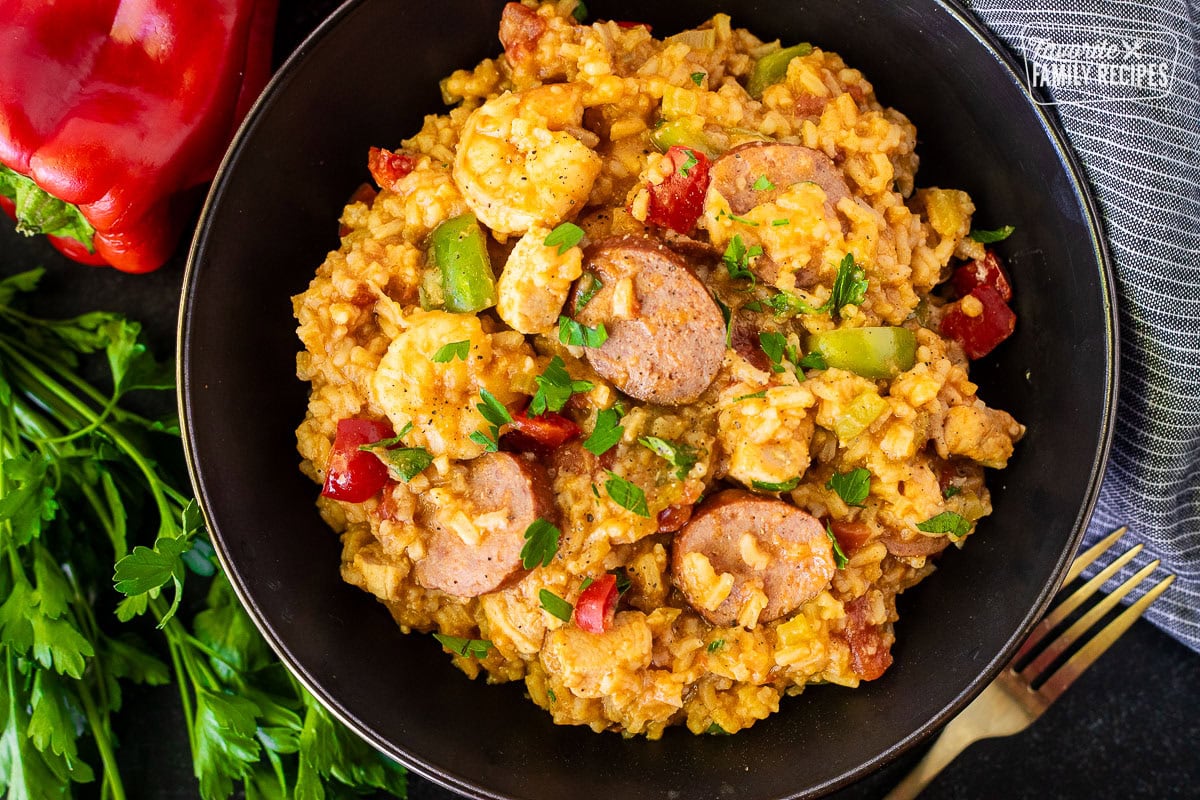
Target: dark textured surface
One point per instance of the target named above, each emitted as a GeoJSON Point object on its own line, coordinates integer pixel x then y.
{"type": "Point", "coordinates": [1131, 728]}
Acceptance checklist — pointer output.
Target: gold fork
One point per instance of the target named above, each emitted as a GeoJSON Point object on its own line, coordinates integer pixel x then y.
{"type": "Point", "coordinates": [1010, 703]}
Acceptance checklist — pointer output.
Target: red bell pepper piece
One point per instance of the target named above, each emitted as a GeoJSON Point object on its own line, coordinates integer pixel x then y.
{"type": "Point", "coordinates": [597, 604]}
{"type": "Point", "coordinates": [539, 434]}
{"type": "Point", "coordinates": [980, 334]}
{"type": "Point", "coordinates": [387, 167]}
{"type": "Point", "coordinates": [677, 202]}
{"type": "Point", "coordinates": [622, 23]}
{"type": "Point", "coordinates": [986, 271]}
{"type": "Point", "coordinates": [121, 110]}
{"type": "Point", "coordinates": [355, 475]}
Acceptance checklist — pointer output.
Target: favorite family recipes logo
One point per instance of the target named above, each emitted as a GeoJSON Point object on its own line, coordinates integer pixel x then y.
{"type": "Point", "coordinates": [1084, 65]}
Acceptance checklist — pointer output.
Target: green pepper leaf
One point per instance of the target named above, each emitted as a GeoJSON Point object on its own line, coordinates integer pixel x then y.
{"type": "Point", "coordinates": [853, 486]}
{"type": "Point", "coordinates": [541, 543]}
{"type": "Point", "coordinates": [991, 237]}
{"type": "Point", "coordinates": [627, 495]}
{"type": "Point", "coordinates": [946, 522]}
{"type": "Point", "coordinates": [564, 237]}
{"type": "Point", "coordinates": [555, 605]}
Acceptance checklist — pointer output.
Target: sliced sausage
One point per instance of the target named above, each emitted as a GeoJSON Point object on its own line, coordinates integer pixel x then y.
{"type": "Point", "coordinates": [784, 165]}
{"type": "Point", "coordinates": [495, 482]}
{"type": "Point", "coordinates": [793, 559]}
{"type": "Point", "coordinates": [666, 336]}
{"type": "Point", "coordinates": [913, 544]}
{"type": "Point", "coordinates": [520, 30]}
{"type": "Point", "coordinates": [870, 645]}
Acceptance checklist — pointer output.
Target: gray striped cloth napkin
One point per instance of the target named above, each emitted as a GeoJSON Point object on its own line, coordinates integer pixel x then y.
{"type": "Point", "coordinates": [1122, 75]}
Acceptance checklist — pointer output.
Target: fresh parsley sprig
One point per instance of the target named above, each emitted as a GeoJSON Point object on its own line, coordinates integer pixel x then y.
{"type": "Point", "coordinates": [495, 413]}
{"type": "Point", "coordinates": [680, 456]}
{"type": "Point", "coordinates": [555, 387]}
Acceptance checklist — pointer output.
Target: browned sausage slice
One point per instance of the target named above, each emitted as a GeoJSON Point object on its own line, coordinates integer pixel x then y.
{"type": "Point", "coordinates": [764, 543]}
{"type": "Point", "coordinates": [784, 165]}
{"type": "Point", "coordinates": [495, 482]}
{"type": "Point", "coordinates": [666, 337]}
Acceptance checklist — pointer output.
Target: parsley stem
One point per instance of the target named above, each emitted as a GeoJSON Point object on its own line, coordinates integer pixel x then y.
{"type": "Point", "coordinates": [101, 735]}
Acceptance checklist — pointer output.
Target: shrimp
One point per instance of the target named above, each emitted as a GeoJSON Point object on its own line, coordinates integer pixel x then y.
{"type": "Point", "coordinates": [517, 164]}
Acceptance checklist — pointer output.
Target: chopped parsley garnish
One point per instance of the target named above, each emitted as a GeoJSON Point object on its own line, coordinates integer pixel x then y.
{"type": "Point", "coordinates": [586, 582]}
{"type": "Point", "coordinates": [763, 184]}
{"type": "Point", "coordinates": [753, 305]}
{"type": "Point", "coordinates": [698, 78]}
{"type": "Point", "coordinates": [775, 223]}
{"type": "Point", "coordinates": [786, 486]}
{"type": "Point", "coordinates": [623, 582]}
{"type": "Point", "coordinates": [577, 334]}
{"type": "Point", "coordinates": [627, 495]}
{"type": "Point", "coordinates": [785, 303]}
{"type": "Point", "coordinates": [839, 558]}
{"type": "Point", "coordinates": [946, 522]}
{"type": "Point", "coordinates": [716, 730]}
{"type": "Point", "coordinates": [555, 605]}
{"type": "Point", "coordinates": [751, 396]}
{"type": "Point", "coordinates": [581, 11]}
{"type": "Point", "coordinates": [715, 645]}
{"type": "Point", "coordinates": [950, 491]}
{"type": "Point", "coordinates": [589, 285]}
{"type": "Point", "coordinates": [727, 315]}
{"type": "Point", "coordinates": [403, 463]}
{"type": "Point", "coordinates": [773, 344]}
{"type": "Point", "coordinates": [737, 258]}
{"type": "Point", "coordinates": [564, 237]}
{"type": "Point", "coordinates": [853, 486]}
{"type": "Point", "coordinates": [686, 167]}
{"type": "Point", "coordinates": [813, 360]}
{"type": "Point", "coordinates": [991, 237]}
{"type": "Point", "coordinates": [680, 456]}
{"type": "Point", "coordinates": [449, 352]}
{"type": "Point", "coordinates": [494, 412]}
{"type": "Point", "coordinates": [541, 543]}
{"type": "Point", "coordinates": [849, 287]}
{"type": "Point", "coordinates": [736, 218]}
{"type": "Point", "coordinates": [607, 433]}
{"type": "Point", "coordinates": [553, 697]}
{"type": "Point", "coordinates": [555, 388]}
{"type": "Point", "coordinates": [475, 648]}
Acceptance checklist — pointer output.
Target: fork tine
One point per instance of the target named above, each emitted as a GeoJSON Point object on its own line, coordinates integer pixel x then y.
{"type": "Point", "coordinates": [1083, 659]}
{"type": "Point", "coordinates": [1063, 610]}
{"type": "Point", "coordinates": [1085, 559]}
{"type": "Point", "coordinates": [1068, 637]}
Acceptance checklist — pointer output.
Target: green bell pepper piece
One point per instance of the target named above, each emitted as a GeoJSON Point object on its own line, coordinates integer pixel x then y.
{"type": "Point", "coordinates": [686, 132]}
{"type": "Point", "coordinates": [869, 352]}
{"type": "Point", "coordinates": [458, 249]}
{"type": "Point", "coordinates": [772, 68]}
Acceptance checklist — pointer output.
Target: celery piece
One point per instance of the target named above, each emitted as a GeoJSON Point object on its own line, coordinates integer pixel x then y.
{"type": "Point", "coordinates": [858, 416]}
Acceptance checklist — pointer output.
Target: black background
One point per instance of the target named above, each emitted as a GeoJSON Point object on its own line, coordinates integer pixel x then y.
{"type": "Point", "coordinates": [1129, 728]}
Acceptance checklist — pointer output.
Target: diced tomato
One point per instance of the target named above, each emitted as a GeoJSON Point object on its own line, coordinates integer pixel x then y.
{"type": "Point", "coordinates": [520, 29]}
{"type": "Point", "coordinates": [674, 517]}
{"type": "Point", "coordinates": [621, 23]}
{"type": "Point", "coordinates": [597, 604]}
{"type": "Point", "coordinates": [677, 202]}
{"type": "Point", "coordinates": [387, 168]}
{"type": "Point", "coordinates": [354, 475]}
{"type": "Point", "coordinates": [540, 434]}
{"type": "Point", "coordinates": [850, 535]}
{"type": "Point", "coordinates": [986, 271]}
{"type": "Point", "coordinates": [980, 334]}
{"type": "Point", "coordinates": [870, 655]}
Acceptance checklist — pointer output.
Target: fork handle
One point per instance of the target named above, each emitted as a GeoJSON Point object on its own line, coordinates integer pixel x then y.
{"type": "Point", "coordinates": [954, 740]}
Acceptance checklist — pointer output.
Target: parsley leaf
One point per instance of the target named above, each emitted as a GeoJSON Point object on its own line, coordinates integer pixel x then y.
{"type": "Point", "coordinates": [403, 463]}
{"type": "Point", "coordinates": [224, 741]}
{"type": "Point", "coordinates": [494, 412]}
{"type": "Point", "coordinates": [475, 648]}
{"type": "Point", "coordinates": [555, 605]}
{"type": "Point", "coordinates": [607, 433]}
{"type": "Point", "coordinates": [839, 558]}
{"type": "Point", "coordinates": [581, 11]}
{"type": "Point", "coordinates": [785, 486]}
{"type": "Point", "coordinates": [727, 316]}
{"type": "Point", "coordinates": [991, 237]}
{"type": "Point", "coordinates": [589, 285]}
{"type": "Point", "coordinates": [698, 78]}
{"type": "Point", "coordinates": [716, 730]}
{"type": "Point", "coordinates": [577, 334]}
{"type": "Point", "coordinates": [628, 496]}
{"type": "Point", "coordinates": [786, 303]}
{"type": "Point", "coordinates": [946, 522]}
{"type": "Point", "coordinates": [623, 582]}
{"type": "Point", "coordinates": [773, 344]}
{"type": "Point", "coordinates": [763, 184]}
{"type": "Point", "coordinates": [813, 360]}
{"type": "Point", "coordinates": [737, 258]}
{"type": "Point", "coordinates": [686, 167]}
{"type": "Point", "coordinates": [950, 491]}
{"type": "Point", "coordinates": [564, 237]}
{"type": "Point", "coordinates": [555, 388]}
{"type": "Point", "coordinates": [751, 396]}
{"type": "Point", "coordinates": [853, 486]}
{"type": "Point", "coordinates": [715, 645]}
{"type": "Point", "coordinates": [775, 223]}
{"type": "Point", "coordinates": [849, 287]}
{"type": "Point", "coordinates": [541, 543]}
{"type": "Point", "coordinates": [680, 456]}
{"type": "Point", "coordinates": [449, 352]}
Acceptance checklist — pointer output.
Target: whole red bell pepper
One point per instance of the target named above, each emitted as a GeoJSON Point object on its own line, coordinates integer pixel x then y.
{"type": "Point", "coordinates": [113, 113]}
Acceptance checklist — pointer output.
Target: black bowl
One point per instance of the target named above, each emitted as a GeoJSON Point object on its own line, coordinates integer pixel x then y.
{"type": "Point", "coordinates": [365, 78]}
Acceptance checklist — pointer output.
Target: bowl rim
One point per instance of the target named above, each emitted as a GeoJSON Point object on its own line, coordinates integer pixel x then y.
{"type": "Point", "coordinates": [446, 777]}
